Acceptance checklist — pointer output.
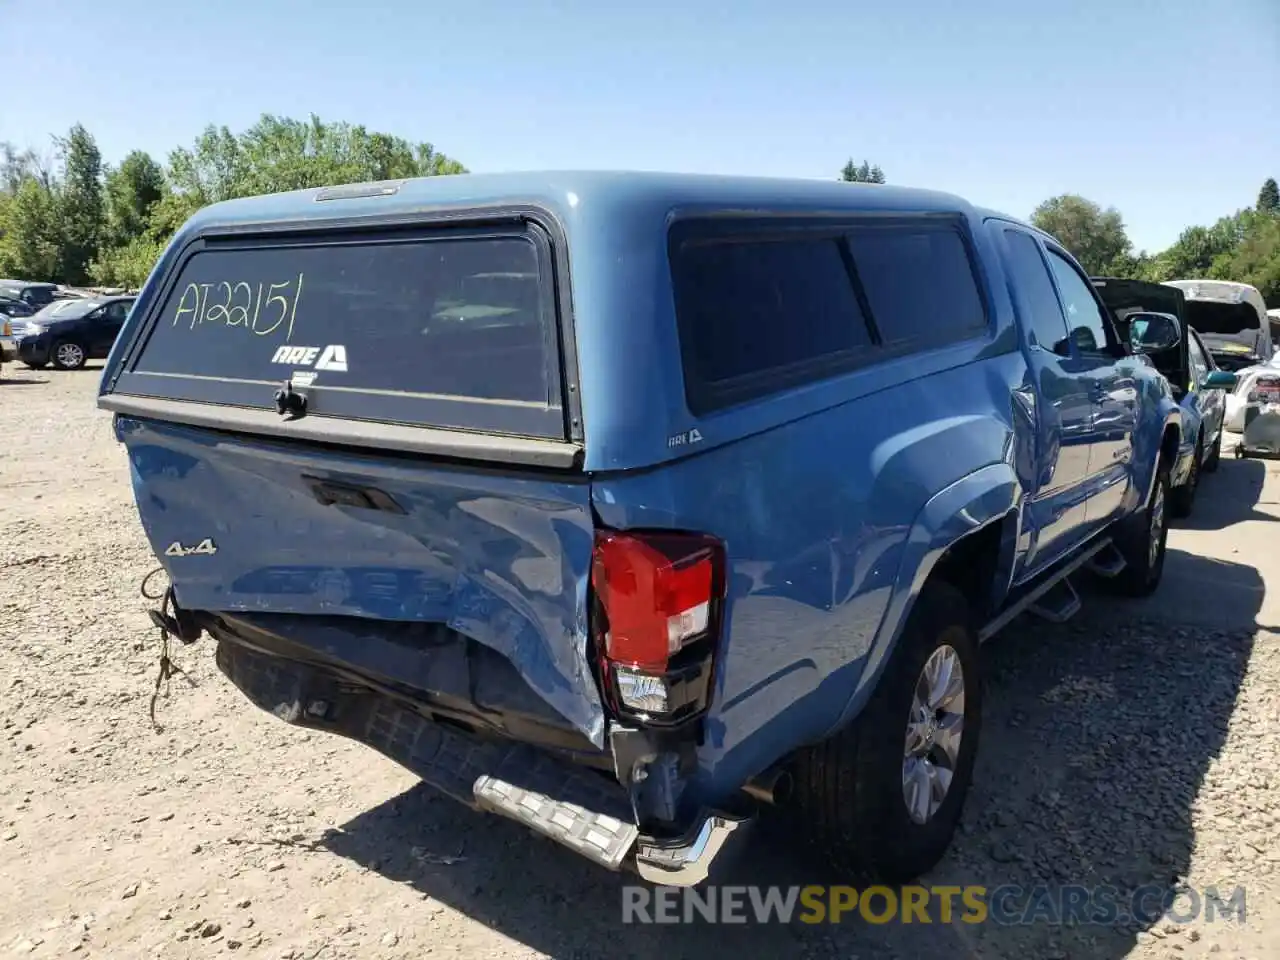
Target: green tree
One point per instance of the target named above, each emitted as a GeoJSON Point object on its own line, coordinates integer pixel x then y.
{"type": "Point", "coordinates": [19, 165]}
{"type": "Point", "coordinates": [1131, 266]}
{"type": "Point", "coordinates": [1197, 248]}
{"type": "Point", "coordinates": [1255, 260]}
{"type": "Point", "coordinates": [861, 173]}
{"type": "Point", "coordinates": [1269, 197]}
{"type": "Point", "coordinates": [81, 205]}
{"type": "Point", "coordinates": [132, 191]}
{"type": "Point", "coordinates": [278, 153]}
{"type": "Point", "coordinates": [70, 223]}
{"type": "Point", "coordinates": [213, 169]}
{"type": "Point", "coordinates": [1094, 236]}
{"type": "Point", "coordinates": [32, 243]}
{"type": "Point", "coordinates": [128, 265]}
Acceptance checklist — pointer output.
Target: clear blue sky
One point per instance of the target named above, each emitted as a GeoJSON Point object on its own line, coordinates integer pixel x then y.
{"type": "Point", "coordinates": [1168, 110]}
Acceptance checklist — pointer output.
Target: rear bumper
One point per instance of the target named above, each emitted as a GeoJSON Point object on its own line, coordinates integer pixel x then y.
{"type": "Point", "coordinates": [584, 809]}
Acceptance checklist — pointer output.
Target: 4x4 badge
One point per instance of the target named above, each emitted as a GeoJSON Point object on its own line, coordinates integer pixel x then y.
{"type": "Point", "coordinates": [205, 548]}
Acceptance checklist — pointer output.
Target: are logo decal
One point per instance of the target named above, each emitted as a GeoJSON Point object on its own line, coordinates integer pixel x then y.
{"type": "Point", "coordinates": [332, 357]}
{"type": "Point", "coordinates": [684, 439]}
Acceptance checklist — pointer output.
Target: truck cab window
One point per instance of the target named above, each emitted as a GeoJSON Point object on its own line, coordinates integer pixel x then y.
{"type": "Point", "coordinates": [1045, 321]}
{"type": "Point", "coordinates": [1085, 320]}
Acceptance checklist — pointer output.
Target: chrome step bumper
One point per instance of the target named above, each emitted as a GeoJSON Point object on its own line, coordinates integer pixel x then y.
{"type": "Point", "coordinates": [687, 862]}
{"type": "Point", "coordinates": [610, 842]}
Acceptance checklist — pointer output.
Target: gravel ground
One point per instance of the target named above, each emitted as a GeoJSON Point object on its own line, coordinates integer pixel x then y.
{"type": "Point", "coordinates": [1129, 747]}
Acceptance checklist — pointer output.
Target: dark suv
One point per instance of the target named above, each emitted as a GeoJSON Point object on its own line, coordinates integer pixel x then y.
{"type": "Point", "coordinates": [35, 295]}
{"type": "Point", "coordinates": [68, 333]}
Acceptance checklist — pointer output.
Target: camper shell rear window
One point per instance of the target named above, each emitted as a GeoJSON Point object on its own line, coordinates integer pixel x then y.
{"type": "Point", "coordinates": [452, 329]}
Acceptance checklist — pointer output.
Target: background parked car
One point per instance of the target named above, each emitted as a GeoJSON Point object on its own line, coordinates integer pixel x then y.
{"type": "Point", "coordinates": [8, 345]}
{"type": "Point", "coordinates": [15, 309]}
{"type": "Point", "coordinates": [35, 295]}
{"type": "Point", "coordinates": [69, 333]}
{"type": "Point", "coordinates": [1197, 383]}
{"type": "Point", "coordinates": [1232, 320]}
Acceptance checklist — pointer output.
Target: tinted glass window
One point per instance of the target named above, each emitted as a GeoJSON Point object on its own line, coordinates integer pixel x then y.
{"type": "Point", "coordinates": [450, 318]}
{"type": "Point", "coordinates": [119, 310]}
{"type": "Point", "coordinates": [67, 309]}
{"type": "Point", "coordinates": [769, 310]}
{"type": "Point", "coordinates": [38, 295]}
{"type": "Point", "coordinates": [919, 283]}
{"type": "Point", "coordinates": [1031, 275]}
{"type": "Point", "coordinates": [1084, 316]}
{"type": "Point", "coordinates": [1199, 362]}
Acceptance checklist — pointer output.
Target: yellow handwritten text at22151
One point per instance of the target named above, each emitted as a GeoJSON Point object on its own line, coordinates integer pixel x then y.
{"type": "Point", "coordinates": [238, 305]}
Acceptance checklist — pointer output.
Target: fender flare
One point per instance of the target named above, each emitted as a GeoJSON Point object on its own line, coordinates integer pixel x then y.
{"type": "Point", "coordinates": [1172, 419]}
{"type": "Point", "coordinates": [990, 495]}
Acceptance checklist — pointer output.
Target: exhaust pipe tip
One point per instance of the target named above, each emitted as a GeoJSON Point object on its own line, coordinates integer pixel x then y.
{"type": "Point", "coordinates": [773, 787]}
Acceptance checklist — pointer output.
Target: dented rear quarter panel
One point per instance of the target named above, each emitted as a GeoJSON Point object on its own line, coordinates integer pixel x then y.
{"type": "Point", "coordinates": [834, 501]}
{"type": "Point", "coordinates": [827, 539]}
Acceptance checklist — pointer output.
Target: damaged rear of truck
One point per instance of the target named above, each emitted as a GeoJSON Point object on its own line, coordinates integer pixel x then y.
{"type": "Point", "coordinates": [519, 481]}
{"type": "Point", "coordinates": [355, 427]}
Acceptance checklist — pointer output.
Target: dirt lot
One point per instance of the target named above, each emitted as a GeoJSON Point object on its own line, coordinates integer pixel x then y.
{"type": "Point", "coordinates": [1137, 745]}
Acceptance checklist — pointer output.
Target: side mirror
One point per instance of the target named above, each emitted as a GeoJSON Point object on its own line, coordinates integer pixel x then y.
{"type": "Point", "coordinates": [1153, 332]}
{"type": "Point", "coordinates": [1084, 340]}
{"type": "Point", "coordinates": [1220, 380]}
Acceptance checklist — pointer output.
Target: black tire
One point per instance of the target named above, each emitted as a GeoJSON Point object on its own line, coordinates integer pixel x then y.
{"type": "Point", "coordinates": [1215, 455]}
{"type": "Point", "coordinates": [69, 359]}
{"type": "Point", "coordinates": [1182, 499]}
{"type": "Point", "coordinates": [848, 791]}
{"type": "Point", "coordinates": [1142, 573]}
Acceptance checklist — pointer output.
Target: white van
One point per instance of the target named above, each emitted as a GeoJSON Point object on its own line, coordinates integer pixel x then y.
{"type": "Point", "coordinates": [1231, 319]}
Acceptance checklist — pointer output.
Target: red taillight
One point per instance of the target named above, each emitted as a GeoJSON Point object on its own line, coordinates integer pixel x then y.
{"type": "Point", "coordinates": [656, 591]}
{"type": "Point", "coordinates": [660, 593]}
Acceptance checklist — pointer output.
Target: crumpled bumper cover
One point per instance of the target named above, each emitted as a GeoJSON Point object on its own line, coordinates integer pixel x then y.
{"type": "Point", "coordinates": [582, 808]}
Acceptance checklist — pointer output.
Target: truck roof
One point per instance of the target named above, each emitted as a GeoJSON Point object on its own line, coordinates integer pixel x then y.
{"type": "Point", "coordinates": [562, 191]}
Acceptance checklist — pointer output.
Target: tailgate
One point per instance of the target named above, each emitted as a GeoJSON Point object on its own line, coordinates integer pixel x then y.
{"type": "Point", "coordinates": [248, 526]}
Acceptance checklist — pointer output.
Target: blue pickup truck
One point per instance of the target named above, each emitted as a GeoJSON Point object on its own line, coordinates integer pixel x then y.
{"type": "Point", "coordinates": [634, 506]}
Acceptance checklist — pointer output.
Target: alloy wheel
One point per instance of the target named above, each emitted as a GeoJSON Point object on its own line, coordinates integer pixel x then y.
{"type": "Point", "coordinates": [935, 728]}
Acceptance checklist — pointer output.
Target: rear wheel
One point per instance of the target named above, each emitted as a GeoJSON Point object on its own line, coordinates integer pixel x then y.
{"type": "Point", "coordinates": [883, 797]}
{"type": "Point", "coordinates": [69, 355]}
{"type": "Point", "coordinates": [1141, 540]}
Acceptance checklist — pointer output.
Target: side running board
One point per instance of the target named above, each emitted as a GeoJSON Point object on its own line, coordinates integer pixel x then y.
{"type": "Point", "coordinates": [1057, 608]}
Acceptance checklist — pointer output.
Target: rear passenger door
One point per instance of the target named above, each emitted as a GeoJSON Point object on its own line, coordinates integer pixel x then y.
{"type": "Point", "coordinates": [105, 326]}
{"type": "Point", "coordinates": [1060, 388]}
{"type": "Point", "coordinates": [1113, 390]}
